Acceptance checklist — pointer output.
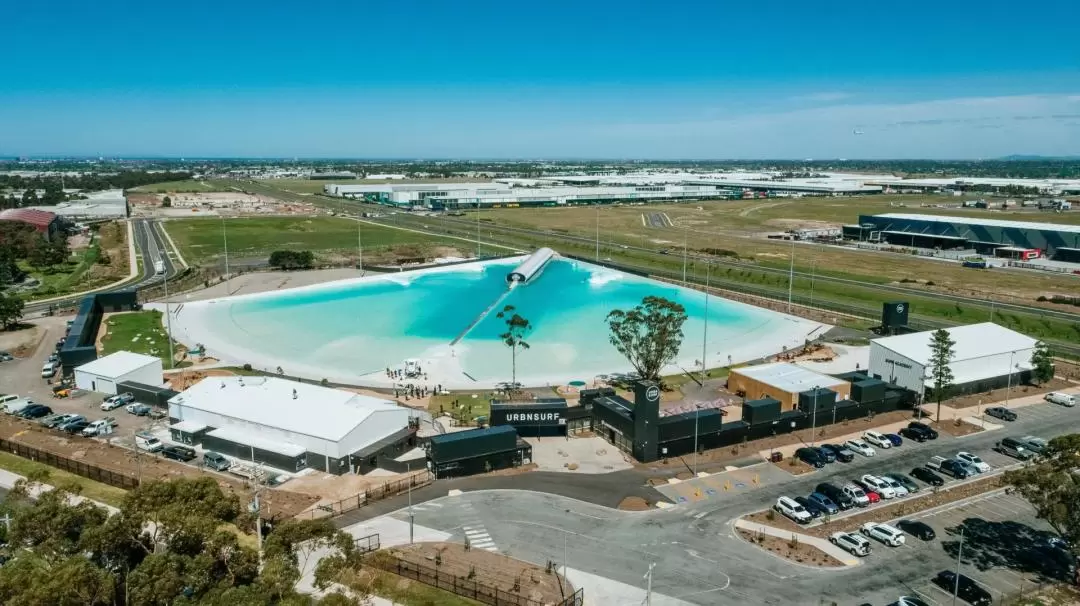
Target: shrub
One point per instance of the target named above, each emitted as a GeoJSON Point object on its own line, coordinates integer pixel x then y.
{"type": "Point", "coordinates": [247, 367]}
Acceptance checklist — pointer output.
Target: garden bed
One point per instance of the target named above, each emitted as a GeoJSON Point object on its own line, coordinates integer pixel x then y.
{"type": "Point", "coordinates": [791, 549]}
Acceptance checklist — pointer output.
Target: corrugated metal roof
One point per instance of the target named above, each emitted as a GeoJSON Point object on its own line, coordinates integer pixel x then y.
{"type": "Point", "coordinates": [472, 433]}
{"type": "Point", "coordinates": [117, 364]}
{"type": "Point", "coordinates": [246, 438]}
{"type": "Point", "coordinates": [33, 216]}
{"type": "Point", "coordinates": [1035, 225]}
{"type": "Point", "coordinates": [788, 377]}
{"type": "Point", "coordinates": [972, 341]}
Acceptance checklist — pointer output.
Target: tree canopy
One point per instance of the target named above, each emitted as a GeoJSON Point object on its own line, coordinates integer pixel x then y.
{"type": "Point", "coordinates": [1042, 363]}
{"type": "Point", "coordinates": [292, 259]}
{"type": "Point", "coordinates": [941, 356]}
{"type": "Point", "coordinates": [517, 328]}
{"type": "Point", "coordinates": [11, 310]}
{"type": "Point", "coordinates": [171, 543]}
{"type": "Point", "coordinates": [649, 335]}
{"type": "Point", "coordinates": [1053, 487]}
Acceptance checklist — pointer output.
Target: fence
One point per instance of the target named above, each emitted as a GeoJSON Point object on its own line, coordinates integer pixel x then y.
{"type": "Point", "coordinates": [79, 468]}
{"type": "Point", "coordinates": [368, 544]}
{"type": "Point", "coordinates": [378, 493]}
{"type": "Point", "coordinates": [468, 588]}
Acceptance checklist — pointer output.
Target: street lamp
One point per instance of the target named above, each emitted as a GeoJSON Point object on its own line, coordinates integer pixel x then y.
{"type": "Point", "coordinates": [813, 419]}
{"type": "Point", "coordinates": [225, 241]}
{"type": "Point", "coordinates": [959, 552]}
{"type": "Point", "coordinates": [697, 413]}
{"type": "Point", "coordinates": [1008, 388]}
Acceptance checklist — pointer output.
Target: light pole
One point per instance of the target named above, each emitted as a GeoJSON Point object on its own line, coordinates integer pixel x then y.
{"type": "Point", "coordinates": [697, 413]}
{"type": "Point", "coordinates": [1008, 388]}
{"type": "Point", "coordinates": [791, 274]}
{"type": "Point", "coordinates": [408, 473]}
{"type": "Point", "coordinates": [648, 584]}
{"type": "Point", "coordinates": [705, 329]}
{"type": "Point", "coordinates": [225, 241]}
{"type": "Point", "coordinates": [813, 418]}
{"type": "Point", "coordinates": [685, 235]}
{"type": "Point", "coordinates": [959, 552]}
{"type": "Point", "coordinates": [359, 246]}
{"type": "Point", "coordinates": [477, 228]}
{"type": "Point", "coordinates": [598, 231]}
{"type": "Point", "coordinates": [168, 322]}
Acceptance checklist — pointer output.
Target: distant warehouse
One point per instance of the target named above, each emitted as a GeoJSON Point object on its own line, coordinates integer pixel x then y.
{"type": "Point", "coordinates": [986, 236]}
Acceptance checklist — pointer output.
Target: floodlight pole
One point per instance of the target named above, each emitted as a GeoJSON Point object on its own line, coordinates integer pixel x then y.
{"type": "Point", "coordinates": [408, 472]}
{"type": "Point", "coordinates": [1008, 389]}
{"type": "Point", "coordinates": [791, 274]}
{"type": "Point", "coordinates": [648, 585]}
{"type": "Point", "coordinates": [598, 231]}
{"type": "Point", "coordinates": [959, 552]}
{"type": "Point", "coordinates": [813, 418]}
{"type": "Point", "coordinates": [168, 322]}
{"type": "Point", "coordinates": [705, 330]}
{"type": "Point", "coordinates": [477, 228]}
{"type": "Point", "coordinates": [359, 246]}
{"type": "Point", "coordinates": [225, 242]}
{"type": "Point", "coordinates": [685, 236]}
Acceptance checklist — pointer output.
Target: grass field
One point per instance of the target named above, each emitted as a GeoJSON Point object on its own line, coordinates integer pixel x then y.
{"type": "Point", "coordinates": [190, 185]}
{"type": "Point", "coordinates": [137, 331]}
{"type": "Point", "coordinates": [201, 239]}
{"type": "Point", "coordinates": [90, 488]}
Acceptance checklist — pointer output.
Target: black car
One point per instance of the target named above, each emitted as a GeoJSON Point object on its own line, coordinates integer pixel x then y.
{"type": "Point", "coordinates": [75, 427]}
{"type": "Point", "coordinates": [828, 455]}
{"type": "Point", "coordinates": [1000, 412]}
{"type": "Point", "coordinates": [810, 456]}
{"type": "Point", "coordinates": [811, 507]}
{"type": "Point", "coordinates": [964, 587]}
{"type": "Point", "coordinates": [904, 481]}
{"type": "Point", "coordinates": [839, 453]}
{"type": "Point", "coordinates": [955, 469]}
{"type": "Point", "coordinates": [35, 412]}
{"type": "Point", "coordinates": [835, 495]}
{"type": "Point", "coordinates": [178, 453]}
{"type": "Point", "coordinates": [917, 529]}
{"type": "Point", "coordinates": [920, 432]}
{"type": "Point", "coordinates": [925, 475]}
{"type": "Point", "coordinates": [28, 409]}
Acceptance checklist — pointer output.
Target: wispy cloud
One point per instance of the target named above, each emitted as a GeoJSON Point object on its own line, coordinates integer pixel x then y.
{"type": "Point", "coordinates": [822, 97]}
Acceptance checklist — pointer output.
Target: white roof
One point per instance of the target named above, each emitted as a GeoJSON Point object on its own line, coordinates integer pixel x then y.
{"type": "Point", "coordinates": [311, 410]}
{"type": "Point", "coordinates": [972, 341]}
{"type": "Point", "coordinates": [118, 364]}
{"type": "Point", "coordinates": [188, 426]}
{"type": "Point", "coordinates": [247, 438]}
{"type": "Point", "coordinates": [789, 377]}
{"type": "Point", "coordinates": [983, 222]}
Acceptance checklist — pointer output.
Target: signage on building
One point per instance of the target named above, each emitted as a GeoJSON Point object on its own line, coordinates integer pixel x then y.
{"type": "Point", "coordinates": [653, 393]}
{"type": "Point", "coordinates": [528, 417]}
{"type": "Point", "coordinates": [532, 417]}
{"type": "Point", "coordinates": [897, 363]}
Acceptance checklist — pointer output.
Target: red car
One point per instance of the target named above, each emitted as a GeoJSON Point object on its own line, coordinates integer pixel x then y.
{"type": "Point", "coordinates": [873, 496]}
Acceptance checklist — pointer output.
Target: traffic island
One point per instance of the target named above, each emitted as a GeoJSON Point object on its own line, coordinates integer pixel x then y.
{"type": "Point", "coordinates": [795, 548]}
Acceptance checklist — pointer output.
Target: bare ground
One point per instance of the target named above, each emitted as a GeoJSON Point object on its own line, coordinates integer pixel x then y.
{"type": "Point", "coordinates": [789, 549]}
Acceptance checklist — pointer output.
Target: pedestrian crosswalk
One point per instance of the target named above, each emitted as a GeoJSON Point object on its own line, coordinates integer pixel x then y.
{"type": "Point", "coordinates": [475, 531]}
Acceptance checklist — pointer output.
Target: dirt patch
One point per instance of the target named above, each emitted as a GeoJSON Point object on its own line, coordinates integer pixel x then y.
{"type": "Point", "coordinates": [791, 549]}
{"type": "Point", "coordinates": [186, 378]}
{"type": "Point", "coordinates": [491, 569]}
{"type": "Point", "coordinates": [996, 397]}
{"type": "Point", "coordinates": [22, 342]}
{"type": "Point", "coordinates": [926, 499]}
{"type": "Point", "coordinates": [795, 467]}
{"type": "Point", "coordinates": [957, 428]}
{"type": "Point", "coordinates": [815, 352]}
{"type": "Point", "coordinates": [279, 503]}
{"type": "Point", "coordinates": [634, 504]}
{"type": "Point", "coordinates": [684, 475]}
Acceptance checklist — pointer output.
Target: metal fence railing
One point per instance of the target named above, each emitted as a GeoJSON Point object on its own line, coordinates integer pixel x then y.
{"type": "Point", "coordinates": [468, 588]}
{"type": "Point", "coordinates": [377, 493]}
{"type": "Point", "coordinates": [79, 468]}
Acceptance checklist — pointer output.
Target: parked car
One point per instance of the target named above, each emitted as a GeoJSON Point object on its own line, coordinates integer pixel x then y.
{"type": "Point", "coordinates": [824, 503]}
{"type": "Point", "coordinates": [215, 461]}
{"type": "Point", "coordinates": [836, 494]}
{"type": "Point", "coordinates": [920, 432]}
{"type": "Point", "coordinates": [48, 370]}
{"type": "Point", "coordinates": [904, 481]}
{"type": "Point", "coordinates": [1063, 399]}
{"type": "Point", "coordinates": [877, 485]}
{"type": "Point", "coordinates": [910, 600]}
{"type": "Point", "coordinates": [790, 508]}
{"type": "Point", "coordinates": [117, 401]}
{"type": "Point", "coordinates": [899, 489]}
{"type": "Point", "coordinates": [1012, 447]}
{"type": "Point", "coordinates": [1034, 444]}
{"type": "Point", "coordinates": [842, 454]}
{"type": "Point", "coordinates": [58, 420]}
{"type": "Point", "coordinates": [147, 442]}
{"type": "Point", "coordinates": [810, 506]}
{"type": "Point", "coordinates": [177, 452]}
{"type": "Point", "coordinates": [827, 454]}
{"type": "Point", "coordinates": [810, 456]}
{"type": "Point", "coordinates": [55, 359]}
{"type": "Point", "coordinates": [889, 535]}
{"type": "Point", "coordinates": [950, 467]}
{"type": "Point", "coordinates": [851, 543]}
{"type": "Point", "coordinates": [5, 356]}
{"type": "Point", "coordinates": [101, 427]}
{"type": "Point", "coordinates": [964, 587]}
{"type": "Point", "coordinates": [860, 447]}
{"type": "Point", "coordinates": [139, 410]}
{"type": "Point", "coordinates": [857, 495]}
{"type": "Point", "coordinates": [873, 496]}
{"type": "Point", "coordinates": [36, 411]}
{"type": "Point", "coordinates": [877, 439]}
{"type": "Point", "coordinates": [74, 427]}
{"type": "Point", "coordinates": [1000, 412]}
{"type": "Point", "coordinates": [925, 475]}
{"type": "Point", "coordinates": [973, 460]}
{"type": "Point", "coordinates": [917, 529]}
{"type": "Point", "coordinates": [895, 439]}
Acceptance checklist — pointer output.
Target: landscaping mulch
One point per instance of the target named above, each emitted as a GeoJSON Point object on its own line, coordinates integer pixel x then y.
{"type": "Point", "coordinates": [796, 551]}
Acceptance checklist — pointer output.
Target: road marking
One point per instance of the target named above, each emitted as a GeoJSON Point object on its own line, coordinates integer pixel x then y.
{"type": "Point", "coordinates": [587, 515]}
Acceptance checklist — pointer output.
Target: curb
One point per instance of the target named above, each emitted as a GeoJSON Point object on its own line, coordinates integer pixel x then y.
{"type": "Point", "coordinates": [848, 561]}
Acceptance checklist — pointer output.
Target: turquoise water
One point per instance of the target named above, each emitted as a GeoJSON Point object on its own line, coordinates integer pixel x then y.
{"type": "Point", "coordinates": [359, 327]}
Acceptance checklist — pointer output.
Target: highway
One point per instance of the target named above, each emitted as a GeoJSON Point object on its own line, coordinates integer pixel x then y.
{"type": "Point", "coordinates": [150, 244]}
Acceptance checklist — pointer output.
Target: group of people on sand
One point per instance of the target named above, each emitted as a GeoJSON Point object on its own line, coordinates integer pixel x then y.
{"type": "Point", "coordinates": [410, 390]}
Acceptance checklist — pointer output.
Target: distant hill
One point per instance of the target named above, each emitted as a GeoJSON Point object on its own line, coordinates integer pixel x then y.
{"type": "Point", "coordinates": [1019, 157]}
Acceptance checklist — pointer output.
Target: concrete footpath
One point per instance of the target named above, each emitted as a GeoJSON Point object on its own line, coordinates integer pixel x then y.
{"type": "Point", "coordinates": [822, 544]}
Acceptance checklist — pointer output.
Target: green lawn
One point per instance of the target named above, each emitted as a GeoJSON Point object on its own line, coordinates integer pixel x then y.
{"type": "Point", "coordinates": [137, 331]}
{"type": "Point", "coordinates": [201, 239]}
{"type": "Point", "coordinates": [190, 185]}
{"type": "Point", "coordinates": [67, 277]}
{"type": "Point", "coordinates": [90, 488]}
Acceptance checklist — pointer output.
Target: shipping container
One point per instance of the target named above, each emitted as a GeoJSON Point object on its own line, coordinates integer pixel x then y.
{"type": "Point", "coordinates": [869, 390]}
{"type": "Point", "coordinates": [472, 443]}
{"type": "Point", "coordinates": [675, 427]}
{"type": "Point", "coordinates": [823, 399]}
{"type": "Point", "coordinates": [765, 410]}
{"type": "Point", "coordinates": [147, 394]}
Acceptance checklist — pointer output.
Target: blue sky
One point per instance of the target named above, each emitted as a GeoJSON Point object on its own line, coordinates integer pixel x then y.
{"type": "Point", "coordinates": [947, 79]}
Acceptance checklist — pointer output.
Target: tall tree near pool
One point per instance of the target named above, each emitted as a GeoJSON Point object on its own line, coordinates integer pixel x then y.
{"type": "Point", "coordinates": [649, 335]}
{"type": "Point", "coordinates": [941, 355]}
{"type": "Point", "coordinates": [517, 328]}
{"type": "Point", "coordinates": [1042, 363]}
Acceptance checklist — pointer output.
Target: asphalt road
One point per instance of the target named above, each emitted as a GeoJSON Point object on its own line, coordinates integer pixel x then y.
{"type": "Point", "coordinates": [699, 558]}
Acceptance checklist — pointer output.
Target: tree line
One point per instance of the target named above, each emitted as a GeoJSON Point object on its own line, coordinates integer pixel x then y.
{"type": "Point", "coordinates": [92, 181]}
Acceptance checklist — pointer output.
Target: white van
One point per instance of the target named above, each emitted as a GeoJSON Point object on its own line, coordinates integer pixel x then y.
{"type": "Point", "coordinates": [6, 399]}
{"type": "Point", "coordinates": [48, 370]}
{"type": "Point", "coordinates": [148, 442]}
{"type": "Point", "coordinates": [793, 510]}
{"type": "Point", "coordinates": [16, 405]}
{"type": "Point", "coordinates": [1064, 399]}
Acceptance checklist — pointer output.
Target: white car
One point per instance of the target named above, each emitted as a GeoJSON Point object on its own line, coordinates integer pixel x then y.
{"type": "Point", "coordinates": [790, 508]}
{"type": "Point", "coordinates": [973, 460]}
{"type": "Point", "coordinates": [879, 486]}
{"type": "Point", "coordinates": [856, 494]}
{"type": "Point", "coordinates": [893, 537]}
{"type": "Point", "coordinates": [860, 447]}
{"type": "Point", "coordinates": [898, 488]}
{"type": "Point", "coordinates": [851, 543]}
{"type": "Point", "coordinates": [877, 439]}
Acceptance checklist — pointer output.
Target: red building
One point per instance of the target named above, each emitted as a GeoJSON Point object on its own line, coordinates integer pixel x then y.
{"type": "Point", "coordinates": [41, 220]}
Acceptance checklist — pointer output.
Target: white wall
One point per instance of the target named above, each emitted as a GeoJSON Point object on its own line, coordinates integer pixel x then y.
{"type": "Point", "coordinates": [964, 371]}
{"type": "Point", "coordinates": [377, 426]}
{"type": "Point", "coordinates": [150, 375]}
{"type": "Point", "coordinates": [92, 382]}
{"type": "Point", "coordinates": [894, 368]}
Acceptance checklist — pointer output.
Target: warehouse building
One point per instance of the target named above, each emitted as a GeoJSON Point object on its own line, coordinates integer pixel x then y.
{"type": "Point", "coordinates": [994, 237]}
{"type": "Point", "coordinates": [476, 451]}
{"type": "Point", "coordinates": [46, 222]}
{"type": "Point", "coordinates": [103, 375]}
{"type": "Point", "coordinates": [98, 206]}
{"type": "Point", "coordinates": [290, 425]}
{"type": "Point", "coordinates": [783, 382]}
{"type": "Point", "coordinates": [987, 356]}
